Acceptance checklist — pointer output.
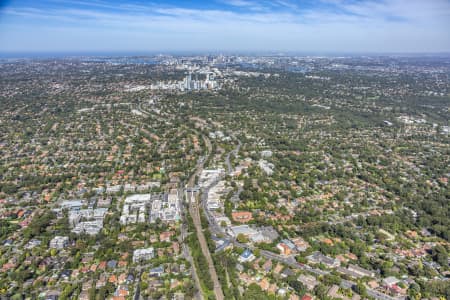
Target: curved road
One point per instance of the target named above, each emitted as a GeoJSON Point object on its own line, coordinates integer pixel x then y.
{"type": "Point", "coordinates": [234, 152]}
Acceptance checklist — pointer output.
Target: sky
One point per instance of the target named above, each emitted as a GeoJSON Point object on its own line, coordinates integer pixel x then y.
{"type": "Point", "coordinates": [307, 26]}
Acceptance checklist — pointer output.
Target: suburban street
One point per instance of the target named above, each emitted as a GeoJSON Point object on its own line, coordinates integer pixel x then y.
{"type": "Point", "coordinates": [290, 261]}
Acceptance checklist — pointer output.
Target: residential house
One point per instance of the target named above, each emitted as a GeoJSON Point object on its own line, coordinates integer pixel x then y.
{"type": "Point", "coordinates": [59, 242]}
{"type": "Point", "coordinates": [143, 254]}
{"type": "Point", "coordinates": [157, 272]}
{"type": "Point", "coordinates": [300, 244]}
{"type": "Point", "coordinates": [284, 249]}
{"type": "Point", "coordinates": [267, 266]}
{"type": "Point", "coordinates": [242, 216]}
{"type": "Point", "coordinates": [246, 256]}
{"type": "Point", "coordinates": [309, 281]}
{"type": "Point", "coordinates": [319, 258]}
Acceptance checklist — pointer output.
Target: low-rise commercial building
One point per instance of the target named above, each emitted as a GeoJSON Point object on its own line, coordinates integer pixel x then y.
{"type": "Point", "coordinates": [143, 254]}
{"type": "Point", "coordinates": [59, 242]}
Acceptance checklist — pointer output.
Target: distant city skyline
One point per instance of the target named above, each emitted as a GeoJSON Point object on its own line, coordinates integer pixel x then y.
{"type": "Point", "coordinates": [325, 26]}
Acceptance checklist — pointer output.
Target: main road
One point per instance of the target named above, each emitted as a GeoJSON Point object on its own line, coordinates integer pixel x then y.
{"type": "Point", "coordinates": [195, 214]}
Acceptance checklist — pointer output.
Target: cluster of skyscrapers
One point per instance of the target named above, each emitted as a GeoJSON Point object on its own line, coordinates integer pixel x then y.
{"type": "Point", "coordinates": [190, 83]}
{"type": "Point", "coordinates": [195, 84]}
